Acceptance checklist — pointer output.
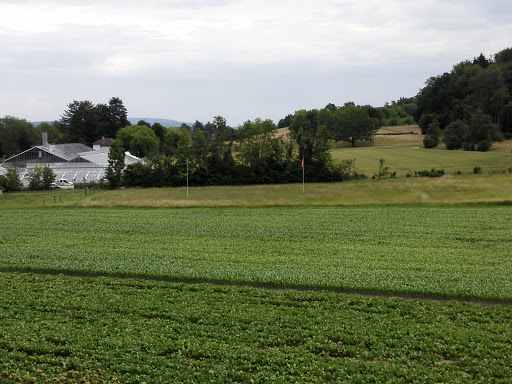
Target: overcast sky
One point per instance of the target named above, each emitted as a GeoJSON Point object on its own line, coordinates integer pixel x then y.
{"type": "Point", "coordinates": [195, 59]}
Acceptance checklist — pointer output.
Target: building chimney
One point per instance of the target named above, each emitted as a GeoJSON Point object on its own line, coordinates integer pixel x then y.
{"type": "Point", "coordinates": [45, 139]}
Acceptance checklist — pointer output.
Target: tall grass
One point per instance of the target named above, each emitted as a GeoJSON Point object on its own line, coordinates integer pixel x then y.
{"type": "Point", "coordinates": [444, 190]}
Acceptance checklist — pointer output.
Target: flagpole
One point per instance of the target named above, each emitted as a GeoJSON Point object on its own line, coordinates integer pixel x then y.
{"type": "Point", "coordinates": [303, 175]}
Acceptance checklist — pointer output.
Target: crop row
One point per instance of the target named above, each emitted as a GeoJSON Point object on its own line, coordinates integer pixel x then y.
{"type": "Point", "coordinates": [450, 252]}
{"type": "Point", "coordinates": [139, 330]}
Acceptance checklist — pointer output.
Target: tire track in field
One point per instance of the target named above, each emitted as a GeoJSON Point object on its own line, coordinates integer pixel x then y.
{"type": "Point", "coordinates": [365, 293]}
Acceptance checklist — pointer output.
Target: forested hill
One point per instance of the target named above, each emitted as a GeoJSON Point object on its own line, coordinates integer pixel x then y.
{"type": "Point", "coordinates": [472, 103]}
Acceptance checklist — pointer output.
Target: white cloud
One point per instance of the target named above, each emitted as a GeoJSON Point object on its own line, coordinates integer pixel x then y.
{"type": "Point", "coordinates": [159, 45]}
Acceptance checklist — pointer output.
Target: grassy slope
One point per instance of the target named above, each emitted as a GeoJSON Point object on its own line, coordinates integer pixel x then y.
{"type": "Point", "coordinates": [409, 158]}
{"type": "Point", "coordinates": [405, 152]}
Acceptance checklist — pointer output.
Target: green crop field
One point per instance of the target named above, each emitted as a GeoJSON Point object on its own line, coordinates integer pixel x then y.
{"type": "Point", "coordinates": [440, 251]}
{"type": "Point", "coordinates": [106, 330]}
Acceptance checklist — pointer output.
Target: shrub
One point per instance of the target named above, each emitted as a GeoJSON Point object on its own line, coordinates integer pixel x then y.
{"type": "Point", "coordinates": [384, 171]}
{"type": "Point", "coordinates": [10, 181]}
{"type": "Point", "coordinates": [484, 145]}
{"type": "Point", "coordinates": [477, 170]}
{"type": "Point", "coordinates": [432, 173]}
{"type": "Point", "coordinates": [346, 170]}
{"type": "Point", "coordinates": [433, 135]}
{"type": "Point", "coordinates": [429, 142]}
{"type": "Point", "coordinates": [40, 178]}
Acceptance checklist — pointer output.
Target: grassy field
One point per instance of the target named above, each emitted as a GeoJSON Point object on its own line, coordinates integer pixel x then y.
{"type": "Point", "coordinates": [407, 158]}
{"type": "Point", "coordinates": [475, 189]}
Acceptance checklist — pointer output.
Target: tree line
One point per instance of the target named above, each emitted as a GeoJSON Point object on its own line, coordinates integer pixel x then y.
{"type": "Point", "coordinates": [396, 113]}
{"type": "Point", "coordinates": [85, 122]}
{"type": "Point", "coordinates": [216, 154]}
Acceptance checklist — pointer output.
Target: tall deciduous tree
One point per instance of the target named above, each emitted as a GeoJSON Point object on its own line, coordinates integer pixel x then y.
{"type": "Point", "coordinates": [261, 151]}
{"type": "Point", "coordinates": [313, 142]}
{"type": "Point", "coordinates": [116, 163]}
{"type": "Point", "coordinates": [139, 140]}
{"type": "Point", "coordinates": [352, 123]}
{"type": "Point", "coordinates": [183, 152]}
{"type": "Point", "coordinates": [16, 135]}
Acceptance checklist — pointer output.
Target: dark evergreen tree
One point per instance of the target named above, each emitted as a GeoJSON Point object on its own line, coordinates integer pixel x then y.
{"type": "Point", "coordinates": [197, 126]}
{"type": "Point", "coordinates": [116, 117]}
{"type": "Point", "coordinates": [82, 122]}
{"type": "Point", "coordinates": [285, 122]}
{"type": "Point", "coordinates": [481, 61]}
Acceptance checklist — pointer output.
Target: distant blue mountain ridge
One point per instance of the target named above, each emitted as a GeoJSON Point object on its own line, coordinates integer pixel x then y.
{"type": "Point", "coordinates": [135, 120]}
{"type": "Point", "coordinates": [164, 122]}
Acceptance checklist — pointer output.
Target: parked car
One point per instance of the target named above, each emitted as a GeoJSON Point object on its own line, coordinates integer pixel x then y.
{"type": "Point", "coordinates": [65, 184]}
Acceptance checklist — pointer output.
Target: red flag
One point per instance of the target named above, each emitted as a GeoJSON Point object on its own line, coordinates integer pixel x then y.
{"type": "Point", "coordinates": [302, 163]}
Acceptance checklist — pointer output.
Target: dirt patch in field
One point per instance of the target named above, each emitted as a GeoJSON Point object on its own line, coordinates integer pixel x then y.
{"type": "Point", "coordinates": [282, 132]}
{"type": "Point", "coordinates": [505, 146]}
{"type": "Point", "coordinates": [399, 129]}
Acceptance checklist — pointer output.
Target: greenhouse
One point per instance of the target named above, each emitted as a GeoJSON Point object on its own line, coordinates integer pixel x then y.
{"type": "Point", "coordinates": [75, 162]}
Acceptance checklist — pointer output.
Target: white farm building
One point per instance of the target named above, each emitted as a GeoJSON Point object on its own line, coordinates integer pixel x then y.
{"type": "Point", "coordinates": [74, 162]}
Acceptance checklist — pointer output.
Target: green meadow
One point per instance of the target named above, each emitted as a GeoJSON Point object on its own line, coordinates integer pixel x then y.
{"type": "Point", "coordinates": [403, 152]}
{"type": "Point", "coordinates": [404, 159]}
